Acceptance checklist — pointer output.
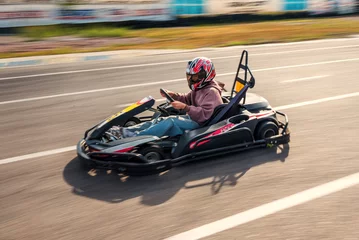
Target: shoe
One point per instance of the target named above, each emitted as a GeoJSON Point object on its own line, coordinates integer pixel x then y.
{"type": "Point", "coordinates": [114, 132]}
{"type": "Point", "coordinates": [126, 133]}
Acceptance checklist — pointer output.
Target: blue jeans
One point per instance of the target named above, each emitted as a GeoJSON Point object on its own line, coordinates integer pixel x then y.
{"type": "Point", "coordinates": [165, 126]}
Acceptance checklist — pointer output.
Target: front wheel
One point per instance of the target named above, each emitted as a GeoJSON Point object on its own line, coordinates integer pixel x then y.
{"type": "Point", "coordinates": [132, 121]}
{"type": "Point", "coordinates": [152, 153]}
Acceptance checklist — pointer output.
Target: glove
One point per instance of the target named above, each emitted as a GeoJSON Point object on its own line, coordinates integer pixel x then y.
{"type": "Point", "coordinates": [169, 93]}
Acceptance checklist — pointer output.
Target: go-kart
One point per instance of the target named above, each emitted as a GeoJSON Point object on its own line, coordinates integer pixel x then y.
{"type": "Point", "coordinates": [244, 121]}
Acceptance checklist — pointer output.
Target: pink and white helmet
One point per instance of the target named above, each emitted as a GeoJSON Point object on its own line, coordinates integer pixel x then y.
{"type": "Point", "coordinates": [200, 71]}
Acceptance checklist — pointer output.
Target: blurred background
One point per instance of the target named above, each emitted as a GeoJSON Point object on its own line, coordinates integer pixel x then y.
{"type": "Point", "coordinates": [42, 27]}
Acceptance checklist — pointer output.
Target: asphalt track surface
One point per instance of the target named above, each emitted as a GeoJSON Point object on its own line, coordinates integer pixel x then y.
{"type": "Point", "coordinates": [52, 197]}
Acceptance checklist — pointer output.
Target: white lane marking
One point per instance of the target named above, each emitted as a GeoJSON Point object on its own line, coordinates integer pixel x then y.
{"type": "Point", "coordinates": [264, 45]}
{"type": "Point", "coordinates": [66, 149]}
{"type": "Point", "coordinates": [38, 154]}
{"type": "Point", "coordinates": [356, 94]}
{"type": "Point", "coordinates": [89, 91]}
{"type": "Point", "coordinates": [355, 38]}
{"type": "Point", "coordinates": [288, 51]}
{"type": "Point", "coordinates": [304, 79]}
{"type": "Point", "coordinates": [269, 208]}
{"type": "Point", "coordinates": [164, 63]}
{"type": "Point", "coordinates": [87, 70]}
{"type": "Point", "coordinates": [169, 81]}
{"type": "Point", "coordinates": [351, 38]}
{"type": "Point", "coordinates": [307, 64]}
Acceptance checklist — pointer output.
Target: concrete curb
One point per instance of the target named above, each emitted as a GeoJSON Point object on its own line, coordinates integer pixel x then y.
{"type": "Point", "coordinates": [121, 54]}
{"type": "Point", "coordinates": [83, 57]}
{"type": "Point", "coordinates": [63, 58]}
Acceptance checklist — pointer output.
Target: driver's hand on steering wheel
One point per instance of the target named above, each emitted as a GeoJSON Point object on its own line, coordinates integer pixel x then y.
{"type": "Point", "coordinates": [169, 93]}
{"type": "Point", "coordinates": [178, 105]}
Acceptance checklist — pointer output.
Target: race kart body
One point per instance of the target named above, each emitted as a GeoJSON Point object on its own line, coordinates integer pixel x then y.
{"type": "Point", "coordinates": [244, 121]}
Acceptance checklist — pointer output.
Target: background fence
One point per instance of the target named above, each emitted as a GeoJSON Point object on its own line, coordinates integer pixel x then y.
{"type": "Point", "coordinates": [16, 13]}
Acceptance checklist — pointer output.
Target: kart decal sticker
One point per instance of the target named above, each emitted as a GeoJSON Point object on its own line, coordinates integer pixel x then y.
{"type": "Point", "coordinates": [125, 149]}
{"type": "Point", "coordinates": [113, 116]}
{"type": "Point", "coordinates": [146, 99]}
{"type": "Point", "coordinates": [139, 103]}
{"type": "Point", "coordinates": [131, 107]}
{"type": "Point", "coordinates": [221, 130]}
{"type": "Point", "coordinates": [203, 142]}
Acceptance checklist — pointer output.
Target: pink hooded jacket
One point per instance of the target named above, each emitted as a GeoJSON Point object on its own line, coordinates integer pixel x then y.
{"type": "Point", "coordinates": [201, 103]}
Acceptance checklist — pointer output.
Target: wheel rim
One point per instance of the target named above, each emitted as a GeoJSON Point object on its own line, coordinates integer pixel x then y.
{"type": "Point", "coordinates": [269, 133]}
{"type": "Point", "coordinates": [130, 123]}
{"type": "Point", "coordinates": [152, 156]}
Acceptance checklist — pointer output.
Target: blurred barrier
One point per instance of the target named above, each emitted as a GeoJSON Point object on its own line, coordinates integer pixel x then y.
{"type": "Point", "coordinates": [26, 15]}
{"type": "Point", "coordinates": [17, 13]}
{"type": "Point", "coordinates": [21, 14]}
{"type": "Point", "coordinates": [242, 6]}
{"type": "Point", "coordinates": [223, 7]}
{"type": "Point", "coordinates": [319, 7]}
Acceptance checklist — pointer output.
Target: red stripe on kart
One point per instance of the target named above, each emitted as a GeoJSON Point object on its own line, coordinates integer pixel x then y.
{"type": "Point", "coordinates": [203, 142]}
{"type": "Point", "coordinates": [125, 150]}
{"type": "Point", "coordinates": [221, 130]}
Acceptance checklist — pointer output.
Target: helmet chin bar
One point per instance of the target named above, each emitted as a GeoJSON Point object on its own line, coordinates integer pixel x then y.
{"type": "Point", "coordinates": [192, 83]}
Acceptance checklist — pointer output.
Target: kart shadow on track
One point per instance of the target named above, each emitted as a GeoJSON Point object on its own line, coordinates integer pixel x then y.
{"type": "Point", "coordinates": [156, 189]}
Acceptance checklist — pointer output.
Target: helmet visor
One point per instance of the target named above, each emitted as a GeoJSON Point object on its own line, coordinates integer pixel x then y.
{"type": "Point", "coordinates": [192, 77]}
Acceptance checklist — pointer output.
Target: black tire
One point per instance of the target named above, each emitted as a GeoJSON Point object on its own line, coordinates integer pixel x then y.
{"type": "Point", "coordinates": [265, 130]}
{"type": "Point", "coordinates": [132, 121]}
{"type": "Point", "coordinates": [152, 153]}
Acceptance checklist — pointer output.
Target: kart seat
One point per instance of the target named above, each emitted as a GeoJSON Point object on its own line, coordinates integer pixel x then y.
{"type": "Point", "coordinates": [226, 110]}
{"type": "Point", "coordinates": [233, 111]}
{"type": "Point", "coordinates": [240, 88]}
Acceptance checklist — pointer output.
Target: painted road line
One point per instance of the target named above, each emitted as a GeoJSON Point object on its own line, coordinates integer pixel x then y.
{"type": "Point", "coordinates": [166, 63]}
{"type": "Point", "coordinates": [307, 64]}
{"type": "Point", "coordinates": [288, 51]}
{"type": "Point", "coordinates": [66, 149]}
{"type": "Point", "coordinates": [301, 104]}
{"type": "Point", "coordinates": [353, 38]}
{"type": "Point", "coordinates": [167, 81]}
{"type": "Point", "coordinates": [269, 208]}
{"type": "Point", "coordinates": [304, 79]}
{"type": "Point", "coordinates": [38, 154]}
{"type": "Point", "coordinates": [114, 53]}
{"type": "Point", "coordinates": [89, 91]}
{"type": "Point", "coordinates": [88, 70]}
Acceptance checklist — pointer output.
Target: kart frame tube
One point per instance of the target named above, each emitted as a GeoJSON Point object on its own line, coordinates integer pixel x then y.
{"type": "Point", "coordinates": [147, 168]}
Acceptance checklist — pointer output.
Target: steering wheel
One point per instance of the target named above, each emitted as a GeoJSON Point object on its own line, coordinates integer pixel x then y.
{"type": "Point", "coordinates": [168, 97]}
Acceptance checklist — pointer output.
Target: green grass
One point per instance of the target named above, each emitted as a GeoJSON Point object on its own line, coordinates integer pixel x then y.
{"type": "Point", "coordinates": [105, 32]}
{"type": "Point", "coordinates": [42, 32]}
{"type": "Point", "coordinates": [198, 36]}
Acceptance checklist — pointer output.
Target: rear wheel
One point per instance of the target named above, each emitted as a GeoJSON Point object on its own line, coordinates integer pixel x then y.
{"type": "Point", "coordinates": [265, 130]}
{"type": "Point", "coordinates": [152, 153]}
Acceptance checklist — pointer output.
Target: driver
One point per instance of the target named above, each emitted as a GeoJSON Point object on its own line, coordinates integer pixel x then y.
{"type": "Point", "coordinates": [199, 104]}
